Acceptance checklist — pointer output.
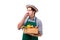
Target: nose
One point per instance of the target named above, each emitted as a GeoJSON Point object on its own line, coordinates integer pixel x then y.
{"type": "Point", "coordinates": [27, 11]}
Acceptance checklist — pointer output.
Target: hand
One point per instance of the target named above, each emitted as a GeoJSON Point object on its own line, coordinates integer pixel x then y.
{"type": "Point", "coordinates": [36, 26]}
{"type": "Point", "coordinates": [34, 35]}
{"type": "Point", "coordinates": [27, 14]}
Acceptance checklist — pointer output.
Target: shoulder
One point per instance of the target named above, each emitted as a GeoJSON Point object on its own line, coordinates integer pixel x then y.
{"type": "Point", "coordinates": [38, 20]}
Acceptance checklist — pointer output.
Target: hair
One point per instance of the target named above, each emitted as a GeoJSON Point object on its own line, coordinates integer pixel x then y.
{"type": "Point", "coordinates": [32, 9]}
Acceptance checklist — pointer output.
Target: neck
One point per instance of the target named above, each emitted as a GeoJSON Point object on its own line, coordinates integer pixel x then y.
{"type": "Point", "coordinates": [32, 18]}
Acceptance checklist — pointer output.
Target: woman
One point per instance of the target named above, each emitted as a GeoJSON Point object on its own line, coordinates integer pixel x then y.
{"type": "Point", "coordinates": [29, 18]}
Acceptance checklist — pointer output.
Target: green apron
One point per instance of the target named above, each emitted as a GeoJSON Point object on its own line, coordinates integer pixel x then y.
{"type": "Point", "coordinates": [29, 37]}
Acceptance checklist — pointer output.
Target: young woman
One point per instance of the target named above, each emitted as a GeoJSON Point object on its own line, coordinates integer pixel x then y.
{"type": "Point", "coordinates": [29, 18]}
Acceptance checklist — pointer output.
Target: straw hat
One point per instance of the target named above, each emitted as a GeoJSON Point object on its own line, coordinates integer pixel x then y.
{"type": "Point", "coordinates": [32, 7]}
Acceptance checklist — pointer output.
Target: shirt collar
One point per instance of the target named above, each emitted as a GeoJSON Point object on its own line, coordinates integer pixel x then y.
{"type": "Point", "coordinates": [33, 18]}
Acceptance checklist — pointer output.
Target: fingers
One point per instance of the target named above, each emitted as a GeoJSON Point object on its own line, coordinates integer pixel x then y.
{"type": "Point", "coordinates": [33, 35]}
{"type": "Point", "coordinates": [36, 27]}
{"type": "Point", "coordinates": [27, 14]}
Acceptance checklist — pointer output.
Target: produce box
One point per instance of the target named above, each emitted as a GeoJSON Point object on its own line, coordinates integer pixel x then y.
{"type": "Point", "coordinates": [30, 30]}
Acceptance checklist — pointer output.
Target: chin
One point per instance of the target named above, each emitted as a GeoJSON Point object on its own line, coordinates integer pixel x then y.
{"type": "Point", "coordinates": [30, 16]}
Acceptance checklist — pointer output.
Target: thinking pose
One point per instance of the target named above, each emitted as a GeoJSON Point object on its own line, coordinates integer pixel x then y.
{"type": "Point", "coordinates": [30, 18]}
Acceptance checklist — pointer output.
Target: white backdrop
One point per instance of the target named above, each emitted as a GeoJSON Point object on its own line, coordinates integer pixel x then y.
{"type": "Point", "coordinates": [12, 11]}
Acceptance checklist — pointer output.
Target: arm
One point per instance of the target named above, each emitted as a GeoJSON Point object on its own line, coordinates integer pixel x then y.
{"type": "Point", "coordinates": [35, 35]}
{"type": "Point", "coordinates": [39, 34]}
{"type": "Point", "coordinates": [22, 21]}
{"type": "Point", "coordinates": [39, 25]}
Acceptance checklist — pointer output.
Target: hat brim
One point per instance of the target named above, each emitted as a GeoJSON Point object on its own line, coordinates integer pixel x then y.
{"type": "Point", "coordinates": [32, 7]}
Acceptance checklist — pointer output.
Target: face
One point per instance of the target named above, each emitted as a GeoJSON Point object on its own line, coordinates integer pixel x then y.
{"type": "Point", "coordinates": [31, 13]}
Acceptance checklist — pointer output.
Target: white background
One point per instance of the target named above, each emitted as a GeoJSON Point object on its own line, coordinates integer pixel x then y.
{"type": "Point", "coordinates": [12, 11]}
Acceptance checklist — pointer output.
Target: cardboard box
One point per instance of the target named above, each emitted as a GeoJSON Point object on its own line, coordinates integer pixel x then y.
{"type": "Point", "coordinates": [30, 30]}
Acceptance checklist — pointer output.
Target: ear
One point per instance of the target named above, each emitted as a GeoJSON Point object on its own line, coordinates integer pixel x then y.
{"type": "Point", "coordinates": [33, 11]}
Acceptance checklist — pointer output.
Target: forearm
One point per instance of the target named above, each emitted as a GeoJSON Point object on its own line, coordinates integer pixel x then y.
{"type": "Point", "coordinates": [23, 20]}
{"type": "Point", "coordinates": [21, 23]}
{"type": "Point", "coordinates": [35, 35]}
